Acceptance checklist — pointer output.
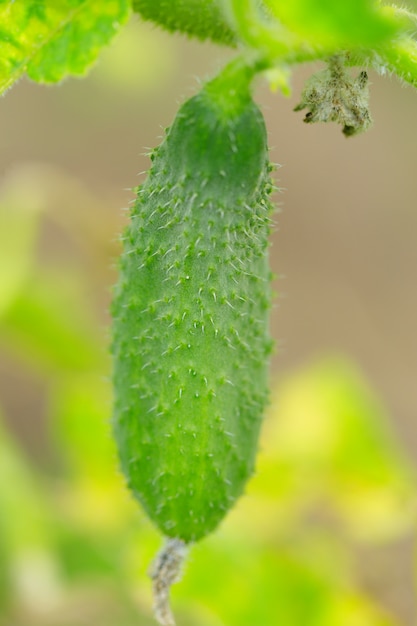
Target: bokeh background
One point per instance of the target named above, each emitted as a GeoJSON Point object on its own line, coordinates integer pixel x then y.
{"type": "Point", "coordinates": [325, 535]}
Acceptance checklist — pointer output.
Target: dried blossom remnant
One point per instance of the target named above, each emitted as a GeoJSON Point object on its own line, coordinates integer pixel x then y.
{"type": "Point", "coordinates": [165, 571]}
{"type": "Point", "coordinates": [332, 95]}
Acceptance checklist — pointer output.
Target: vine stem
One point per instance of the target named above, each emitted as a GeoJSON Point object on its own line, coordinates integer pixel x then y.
{"type": "Point", "coordinates": [270, 41]}
{"type": "Point", "coordinates": [166, 570]}
{"type": "Point", "coordinates": [269, 38]}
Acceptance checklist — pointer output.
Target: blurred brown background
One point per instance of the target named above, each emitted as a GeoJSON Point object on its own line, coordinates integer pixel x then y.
{"type": "Point", "coordinates": [345, 247]}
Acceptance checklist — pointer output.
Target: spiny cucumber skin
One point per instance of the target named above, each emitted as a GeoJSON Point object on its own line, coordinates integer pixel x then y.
{"type": "Point", "coordinates": [191, 339]}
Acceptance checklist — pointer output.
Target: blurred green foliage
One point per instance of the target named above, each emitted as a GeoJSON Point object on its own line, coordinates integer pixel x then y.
{"type": "Point", "coordinates": [326, 23]}
{"type": "Point", "coordinates": [75, 548]}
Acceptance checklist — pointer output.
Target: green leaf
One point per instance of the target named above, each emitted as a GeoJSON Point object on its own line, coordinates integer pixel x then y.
{"type": "Point", "coordinates": [327, 23]}
{"type": "Point", "coordinates": [50, 40]}
{"type": "Point", "coordinates": [203, 20]}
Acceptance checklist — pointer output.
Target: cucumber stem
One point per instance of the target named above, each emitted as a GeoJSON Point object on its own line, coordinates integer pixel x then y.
{"type": "Point", "coordinates": [166, 570]}
{"type": "Point", "coordinates": [231, 89]}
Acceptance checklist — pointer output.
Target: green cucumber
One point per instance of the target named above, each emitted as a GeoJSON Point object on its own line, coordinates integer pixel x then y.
{"type": "Point", "coordinates": [190, 332]}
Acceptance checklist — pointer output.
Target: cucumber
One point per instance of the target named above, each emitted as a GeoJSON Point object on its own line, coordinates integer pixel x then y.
{"type": "Point", "coordinates": [190, 333]}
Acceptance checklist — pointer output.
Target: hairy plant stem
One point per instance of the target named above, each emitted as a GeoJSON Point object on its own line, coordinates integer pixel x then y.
{"type": "Point", "coordinates": [165, 571]}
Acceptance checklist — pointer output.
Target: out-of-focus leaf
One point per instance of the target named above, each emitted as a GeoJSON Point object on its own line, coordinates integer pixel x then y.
{"type": "Point", "coordinates": [50, 40]}
{"type": "Point", "coordinates": [354, 609]}
{"type": "Point", "coordinates": [242, 583]}
{"type": "Point", "coordinates": [43, 545]}
{"type": "Point", "coordinates": [259, 587]}
{"type": "Point", "coordinates": [80, 410]}
{"type": "Point", "coordinates": [345, 23]}
{"type": "Point", "coordinates": [84, 555]}
{"type": "Point", "coordinates": [26, 530]}
{"type": "Point", "coordinates": [330, 439]}
{"type": "Point", "coordinates": [24, 518]}
{"type": "Point", "coordinates": [20, 211]}
{"type": "Point", "coordinates": [48, 325]}
{"type": "Point", "coordinates": [5, 582]}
